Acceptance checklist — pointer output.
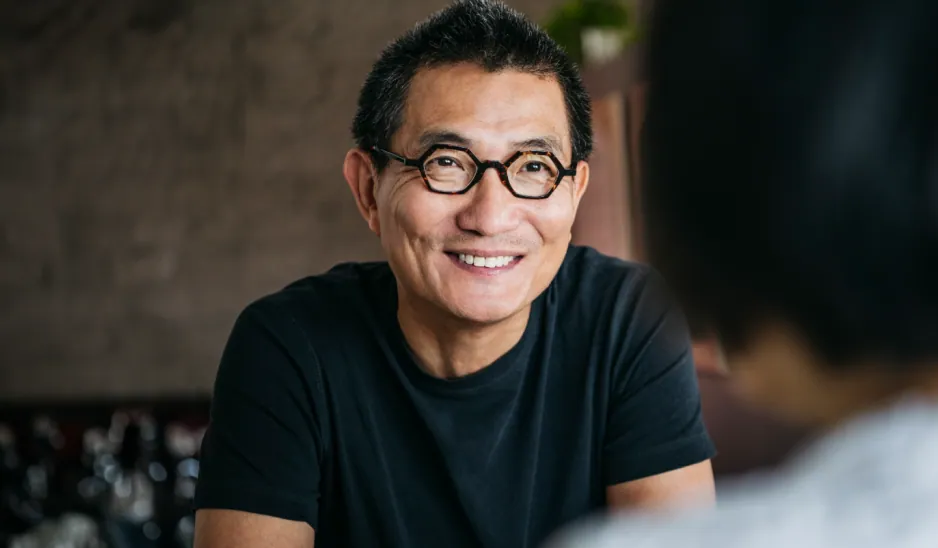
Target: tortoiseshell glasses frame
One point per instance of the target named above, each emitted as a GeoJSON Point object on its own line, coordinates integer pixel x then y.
{"type": "Point", "coordinates": [550, 183]}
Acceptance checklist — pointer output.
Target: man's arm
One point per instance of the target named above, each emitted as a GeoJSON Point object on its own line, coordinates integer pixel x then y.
{"type": "Point", "coordinates": [691, 485]}
{"type": "Point", "coordinates": [236, 529]}
{"type": "Point", "coordinates": [260, 462]}
{"type": "Point", "coordinates": [657, 450]}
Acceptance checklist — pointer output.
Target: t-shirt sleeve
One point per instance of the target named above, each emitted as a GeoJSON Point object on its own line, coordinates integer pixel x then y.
{"type": "Point", "coordinates": [655, 422]}
{"type": "Point", "coordinates": [262, 449]}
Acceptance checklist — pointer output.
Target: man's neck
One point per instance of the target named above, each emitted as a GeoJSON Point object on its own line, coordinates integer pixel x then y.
{"type": "Point", "coordinates": [447, 347]}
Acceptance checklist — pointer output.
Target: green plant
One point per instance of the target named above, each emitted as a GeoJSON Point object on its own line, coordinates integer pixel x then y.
{"type": "Point", "coordinates": [566, 24]}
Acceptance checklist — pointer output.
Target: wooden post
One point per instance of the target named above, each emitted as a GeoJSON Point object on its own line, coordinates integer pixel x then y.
{"type": "Point", "coordinates": [604, 220]}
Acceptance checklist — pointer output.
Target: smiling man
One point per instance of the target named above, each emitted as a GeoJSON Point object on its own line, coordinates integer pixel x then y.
{"type": "Point", "coordinates": [489, 382]}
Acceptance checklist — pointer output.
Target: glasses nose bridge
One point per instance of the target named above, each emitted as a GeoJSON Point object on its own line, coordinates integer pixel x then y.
{"type": "Point", "coordinates": [499, 168]}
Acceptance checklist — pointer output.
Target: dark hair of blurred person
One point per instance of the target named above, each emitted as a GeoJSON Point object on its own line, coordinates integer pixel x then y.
{"type": "Point", "coordinates": [790, 155]}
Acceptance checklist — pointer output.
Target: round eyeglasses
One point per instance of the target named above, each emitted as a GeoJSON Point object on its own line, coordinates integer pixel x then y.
{"type": "Point", "coordinates": [450, 169]}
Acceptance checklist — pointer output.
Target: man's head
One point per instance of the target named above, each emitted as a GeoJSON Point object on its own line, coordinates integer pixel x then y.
{"type": "Point", "coordinates": [476, 76]}
{"type": "Point", "coordinates": [791, 189]}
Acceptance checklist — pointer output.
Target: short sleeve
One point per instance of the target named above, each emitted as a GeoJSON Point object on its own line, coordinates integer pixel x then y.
{"type": "Point", "coordinates": [655, 423]}
{"type": "Point", "coordinates": [262, 450]}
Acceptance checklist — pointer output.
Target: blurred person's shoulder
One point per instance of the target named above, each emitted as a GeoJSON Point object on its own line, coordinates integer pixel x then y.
{"type": "Point", "coordinates": [871, 483]}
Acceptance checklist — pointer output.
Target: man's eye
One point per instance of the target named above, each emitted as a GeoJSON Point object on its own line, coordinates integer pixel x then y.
{"type": "Point", "coordinates": [445, 162]}
{"type": "Point", "coordinates": [535, 167]}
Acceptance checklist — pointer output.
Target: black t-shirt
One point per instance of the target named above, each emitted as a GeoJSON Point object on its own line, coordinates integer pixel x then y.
{"type": "Point", "coordinates": [321, 414]}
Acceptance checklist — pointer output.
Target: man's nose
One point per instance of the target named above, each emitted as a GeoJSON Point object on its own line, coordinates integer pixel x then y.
{"type": "Point", "coordinates": [491, 209]}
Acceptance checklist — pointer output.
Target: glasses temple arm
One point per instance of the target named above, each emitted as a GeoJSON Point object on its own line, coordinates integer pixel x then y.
{"type": "Point", "coordinates": [406, 161]}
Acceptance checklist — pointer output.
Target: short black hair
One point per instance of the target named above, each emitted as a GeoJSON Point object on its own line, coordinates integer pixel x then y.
{"type": "Point", "coordinates": [485, 32]}
{"type": "Point", "coordinates": [790, 171]}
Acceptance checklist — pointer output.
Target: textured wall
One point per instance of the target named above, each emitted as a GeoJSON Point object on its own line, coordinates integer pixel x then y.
{"type": "Point", "coordinates": [164, 162]}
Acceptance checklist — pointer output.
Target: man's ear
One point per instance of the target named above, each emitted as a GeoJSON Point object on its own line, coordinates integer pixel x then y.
{"type": "Point", "coordinates": [362, 178]}
{"type": "Point", "coordinates": [580, 181]}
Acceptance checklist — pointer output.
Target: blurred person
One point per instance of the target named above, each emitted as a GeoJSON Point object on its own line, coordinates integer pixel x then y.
{"type": "Point", "coordinates": [791, 150]}
{"type": "Point", "coordinates": [489, 382]}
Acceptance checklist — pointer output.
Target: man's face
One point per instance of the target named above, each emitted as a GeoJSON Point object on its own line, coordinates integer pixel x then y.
{"type": "Point", "coordinates": [516, 244]}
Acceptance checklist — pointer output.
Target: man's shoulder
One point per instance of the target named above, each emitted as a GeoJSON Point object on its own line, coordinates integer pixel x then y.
{"type": "Point", "coordinates": [321, 298]}
{"type": "Point", "coordinates": [588, 262]}
{"type": "Point", "coordinates": [591, 278]}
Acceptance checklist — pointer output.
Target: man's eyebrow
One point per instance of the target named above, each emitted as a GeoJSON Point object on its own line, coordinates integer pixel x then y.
{"type": "Point", "coordinates": [544, 142]}
{"type": "Point", "coordinates": [436, 137]}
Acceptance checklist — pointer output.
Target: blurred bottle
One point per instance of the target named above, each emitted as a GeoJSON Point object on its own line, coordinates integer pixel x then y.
{"type": "Point", "coordinates": [131, 507]}
{"type": "Point", "coordinates": [12, 488]}
{"type": "Point", "coordinates": [100, 468]}
{"type": "Point", "coordinates": [183, 444]}
{"type": "Point", "coordinates": [47, 440]}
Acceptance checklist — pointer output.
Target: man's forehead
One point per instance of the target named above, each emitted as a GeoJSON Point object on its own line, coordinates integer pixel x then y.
{"type": "Point", "coordinates": [433, 136]}
{"type": "Point", "coordinates": [466, 105]}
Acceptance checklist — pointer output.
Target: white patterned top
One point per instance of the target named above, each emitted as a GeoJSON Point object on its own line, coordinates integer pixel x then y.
{"type": "Point", "coordinates": [871, 483]}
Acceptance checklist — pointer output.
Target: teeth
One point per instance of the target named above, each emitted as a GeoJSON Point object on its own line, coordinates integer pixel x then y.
{"type": "Point", "coordinates": [486, 262]}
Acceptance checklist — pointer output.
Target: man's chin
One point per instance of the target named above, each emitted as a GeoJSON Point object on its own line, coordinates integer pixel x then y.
{"type": "Point", "coordinates": [480, 312]}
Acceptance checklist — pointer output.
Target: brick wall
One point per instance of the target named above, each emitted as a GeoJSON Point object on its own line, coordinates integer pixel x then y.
{"type": "Point", "coordinates": [164, 162]}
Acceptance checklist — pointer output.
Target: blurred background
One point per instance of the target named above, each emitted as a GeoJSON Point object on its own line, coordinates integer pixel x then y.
{"type": "Point", "coordinates": [165, 162]}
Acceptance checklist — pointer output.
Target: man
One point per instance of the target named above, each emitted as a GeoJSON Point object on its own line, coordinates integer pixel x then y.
{"type": "Point", "coordinates": [486, 384]}
{"type": "Point", "coordinates": [792, 191]}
